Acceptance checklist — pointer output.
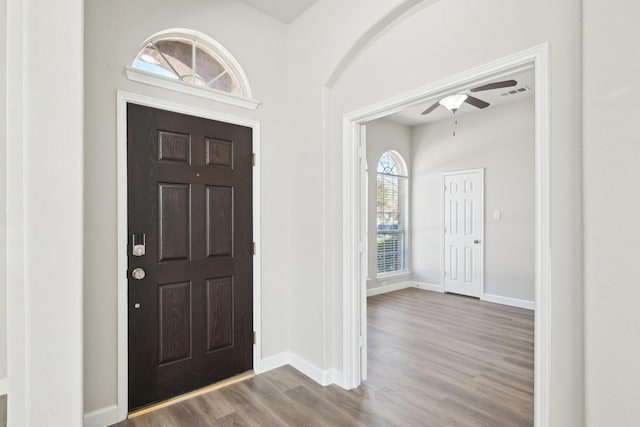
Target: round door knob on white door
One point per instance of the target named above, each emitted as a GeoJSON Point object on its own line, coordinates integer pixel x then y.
{"type": "Point", "coordinates": [138, 274]}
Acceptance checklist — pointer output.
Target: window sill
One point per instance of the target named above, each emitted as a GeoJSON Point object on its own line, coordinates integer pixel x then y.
{"type": "Point", "coordinates": [179, 86]}
{"type": "Point", "coordinates": [393, 274]}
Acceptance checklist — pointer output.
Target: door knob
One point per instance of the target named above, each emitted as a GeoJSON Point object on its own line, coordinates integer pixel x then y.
{"type": "Point", "coordinates": [476, 241]}
{"type": "Point", "coordinates": [138, 274]}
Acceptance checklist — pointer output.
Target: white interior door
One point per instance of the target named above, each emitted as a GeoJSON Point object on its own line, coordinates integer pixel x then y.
{"type": "Point", "coordinates": [463, 197]}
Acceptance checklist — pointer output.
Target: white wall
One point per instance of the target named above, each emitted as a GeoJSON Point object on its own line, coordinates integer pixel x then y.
{"type": "Point", "coordinates": [500, 140]}
{"type": "Point", "coordinates": [417, 50]}
{"type": "Point", "coordinates": [3, 198]}
{"type": "Point", "coordinates": [313, 55]}
{"type": "Point", "coordinates": [383, 135]}
{"type": "Point", "coordinates": [44, 212]}
{"type": "Point", "coordinates": [114, 31]}
{"type": "Point", "coordinates": [611, 206]}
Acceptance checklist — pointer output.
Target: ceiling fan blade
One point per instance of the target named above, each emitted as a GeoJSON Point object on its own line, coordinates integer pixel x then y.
{"type": "Point", "coordinates": [430, 109]}
{"type": "Point", "coordinates": [476, 102]}
{"type": "Point", "coordinates": [496, 85]}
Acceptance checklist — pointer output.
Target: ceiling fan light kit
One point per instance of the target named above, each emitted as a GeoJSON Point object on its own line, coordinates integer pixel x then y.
{"type": "Point", "coordinates": [453, 102]}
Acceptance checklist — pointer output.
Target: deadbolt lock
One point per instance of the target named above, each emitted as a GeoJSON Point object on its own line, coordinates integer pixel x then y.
{"type": "Point", "coordinates": [138, 244]}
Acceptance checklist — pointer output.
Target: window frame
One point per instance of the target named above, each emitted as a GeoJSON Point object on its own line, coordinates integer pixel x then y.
{"type": "Point", "coordinates": [402, 213]}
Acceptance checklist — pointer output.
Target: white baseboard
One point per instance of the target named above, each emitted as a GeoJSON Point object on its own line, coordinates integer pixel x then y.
{"type": "Point", "coordinates": [403, 285]}
{"type": "Point", "coordinates": [428, 287]}
{"type": "Point", "coordinates": [273, 362]}
{"type": "Point", "coordinates": [321, 376]}
{"type": "Point", "coordinates": [513, 302]}
{"type": "Point", "coordinates": [4, 386]}
{"type": "Point", "coordinates": [388, 288]}
{"type": "Point", "coordinates": [334, 377]}
{"type": "Point", "coordinates": [102, 417]}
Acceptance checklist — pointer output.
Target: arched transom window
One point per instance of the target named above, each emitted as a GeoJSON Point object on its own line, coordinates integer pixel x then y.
{"type": "Point", "coordinates": [193, 60]}
{"type": "Point", "coordinates": [392, 214]}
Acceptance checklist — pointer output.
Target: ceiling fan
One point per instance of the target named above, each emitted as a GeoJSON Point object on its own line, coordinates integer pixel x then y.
{"type": "Point", "coordinates": [453, 102]}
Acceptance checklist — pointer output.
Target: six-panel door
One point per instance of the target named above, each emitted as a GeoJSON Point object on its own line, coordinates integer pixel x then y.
{"type": "Point", "coordinates": [463, 231]}
{"type": "Point", "coordinates": [190, 195]}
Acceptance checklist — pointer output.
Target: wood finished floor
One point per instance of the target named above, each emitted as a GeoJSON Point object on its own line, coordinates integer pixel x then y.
{"type": "Point", "coordinates": [434, 360]}
{"type": "Point", "coordinates": [3, 411]}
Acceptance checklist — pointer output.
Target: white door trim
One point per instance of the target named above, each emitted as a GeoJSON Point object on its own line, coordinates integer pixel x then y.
{"type": "Point", "coordinates": [442, 222]}
{"type": "Point", "coordinates": [353, 216]}
{"type": "Point", "coordinates": [122, 99]}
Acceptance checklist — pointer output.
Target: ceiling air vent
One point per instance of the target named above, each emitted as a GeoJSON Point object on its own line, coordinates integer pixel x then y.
{"type": "Point", "coordinates": [515, 91]}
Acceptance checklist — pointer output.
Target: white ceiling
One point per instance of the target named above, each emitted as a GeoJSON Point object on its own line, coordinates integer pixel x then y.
{"type": "Point", "coordinates": [284, 10]}
{"type": "Point", "coordinates": [412, 116]}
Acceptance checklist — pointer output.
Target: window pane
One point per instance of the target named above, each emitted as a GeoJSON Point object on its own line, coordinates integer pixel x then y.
{"type": "Point", "coordinates": [387, 164]}
{"type": "Point", "coordinates": [149, 59]}
{"type": "Point", "coordinates": [207, 65]}
{"type": "Point", "coordinates": [178, 54]}
{"type": "Point", "coordinates": [392, 218]}
{"type": "Point", "coordinates": [215, 73]}
{"type": "Point", "coordinates": [226, 83]}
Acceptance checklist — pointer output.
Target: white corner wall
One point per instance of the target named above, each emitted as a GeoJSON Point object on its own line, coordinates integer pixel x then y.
{"type": "Point", "coordinates": [114, 31]}
{"type": "Point", "coordinates": [383, 135]}
{"type": "Point", "coordinates": [44, 212]}
{"type": "Point", "coordinates": [3, 201]}
{"type": "Point", "coordinates": [500, 140]}
{"type": "Point", "coordinates": [318, 45]}
{"type": "Point", "coordinates": [611, 90]}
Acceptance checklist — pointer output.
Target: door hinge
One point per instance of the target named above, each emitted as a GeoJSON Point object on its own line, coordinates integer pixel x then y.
{"type": "Point", "coordinates": [253, 247]}
{"type": "Point", "coordinates": [445, 273]}
{"type": "Point", "coordinates": [254, 337]}
{"type": "Point", "coordinates": [253, 159]}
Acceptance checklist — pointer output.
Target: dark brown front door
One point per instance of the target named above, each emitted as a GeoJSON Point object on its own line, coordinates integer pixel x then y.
{"type": "Point", "coordinates": [190, 211]}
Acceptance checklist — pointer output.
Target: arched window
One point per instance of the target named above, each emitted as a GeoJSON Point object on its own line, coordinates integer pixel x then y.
{"type": "Point", "coordinates": [392, 214]}
{"type": "Point", "coordinates": [189, 61]}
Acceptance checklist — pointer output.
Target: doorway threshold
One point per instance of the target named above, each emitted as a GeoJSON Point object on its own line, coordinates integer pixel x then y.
{"type": "Point", "coordinates": [220, 384]}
